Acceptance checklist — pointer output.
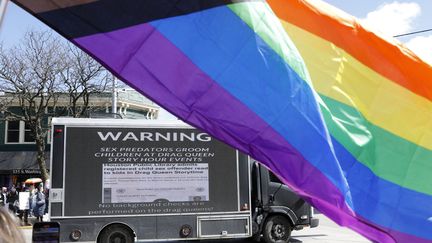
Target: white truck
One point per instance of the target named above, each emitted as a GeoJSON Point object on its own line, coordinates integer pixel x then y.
{"type": "Point", "coordinates": [116, 180]}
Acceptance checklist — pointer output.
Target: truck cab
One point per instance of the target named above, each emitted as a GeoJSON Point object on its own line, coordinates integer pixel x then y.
{"type": "Point", "coordinates": [277, 210]}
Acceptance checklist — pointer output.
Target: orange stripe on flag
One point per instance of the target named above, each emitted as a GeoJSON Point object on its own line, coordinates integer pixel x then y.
{"type": "Point", "coordinates": [389, 59]}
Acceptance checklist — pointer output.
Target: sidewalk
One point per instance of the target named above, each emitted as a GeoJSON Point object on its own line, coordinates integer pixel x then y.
{"type": "Point", "coordinates": [27, 230]}
{"type": "Point", "coordinates": [31, 221]}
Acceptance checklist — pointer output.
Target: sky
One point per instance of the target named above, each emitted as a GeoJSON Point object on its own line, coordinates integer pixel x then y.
{"type": "Point", "coordinates": [387, 17]}
{"type": "Point", "coordinates": [393, 18]}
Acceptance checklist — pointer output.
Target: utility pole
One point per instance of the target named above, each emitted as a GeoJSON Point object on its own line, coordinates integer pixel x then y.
{"type": "Point", "coordinates": [114, 96]}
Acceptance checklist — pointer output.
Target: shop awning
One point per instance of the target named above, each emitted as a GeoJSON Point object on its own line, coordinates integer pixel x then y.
{"type": "Point", "coordinates": [20, 162]}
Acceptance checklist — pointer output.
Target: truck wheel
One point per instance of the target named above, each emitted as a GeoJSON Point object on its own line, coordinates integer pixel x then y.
{"type": "Point", "coordinates": [277, 230]}
{"type": "Point", "coordinates": [116, 234]}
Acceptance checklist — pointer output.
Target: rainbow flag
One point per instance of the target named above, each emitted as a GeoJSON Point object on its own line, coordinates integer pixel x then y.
{"type": "Point", "coordinates": [376, 103]}
{"type": "Point", "coordinates": [348, 128]}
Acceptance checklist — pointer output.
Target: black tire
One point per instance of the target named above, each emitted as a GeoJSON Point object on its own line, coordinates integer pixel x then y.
{"type": "Point", "coordinates": [277, 230]}
{"type": "Point", "coordinates": [116, 234]}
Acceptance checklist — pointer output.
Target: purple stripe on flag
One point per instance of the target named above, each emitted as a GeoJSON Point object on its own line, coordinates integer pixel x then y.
{"type": "Point", "coordinates": [150, 63]}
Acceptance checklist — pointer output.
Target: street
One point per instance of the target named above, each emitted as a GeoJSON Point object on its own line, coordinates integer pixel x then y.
{"type": "Point", "coordinates": [326, 232]}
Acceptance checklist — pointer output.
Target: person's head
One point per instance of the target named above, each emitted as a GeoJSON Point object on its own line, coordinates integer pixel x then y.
{"type": "Point", "coordinates": [13, 190]}
{"type": "Point", "coordinates": [9, 231]}
{"type": "Point", "coordinates": [4, 189]}
{"type": "Point", "coordinates": [21, 187]}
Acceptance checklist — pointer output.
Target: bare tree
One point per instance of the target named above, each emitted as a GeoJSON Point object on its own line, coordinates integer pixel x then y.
{"type": "Point", "coordinates": [42, 75]}
{"type": "Point", "coordinates": [81, 78]}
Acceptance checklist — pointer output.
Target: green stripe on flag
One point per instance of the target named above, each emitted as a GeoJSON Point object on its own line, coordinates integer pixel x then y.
{"type": "Point", "coordinates": [387, 155]}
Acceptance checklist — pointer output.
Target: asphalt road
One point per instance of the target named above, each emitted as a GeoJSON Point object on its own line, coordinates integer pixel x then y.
{"type": "Point", "coordinates": [326, 232]}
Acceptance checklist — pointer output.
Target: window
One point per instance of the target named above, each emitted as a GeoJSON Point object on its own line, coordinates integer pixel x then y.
{"type": "Point", "coordinates": [18, 132]}
{"type": "Point", "coordinates": [28, 135]}
{"type": "Point", "coordinates": [273, 178]}
{"type": "Point", "coordinates": [12, 131]}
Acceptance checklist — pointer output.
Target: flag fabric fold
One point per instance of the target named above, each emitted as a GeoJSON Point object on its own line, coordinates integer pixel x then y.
{"type": "Point", "coordinates": [338, 113]}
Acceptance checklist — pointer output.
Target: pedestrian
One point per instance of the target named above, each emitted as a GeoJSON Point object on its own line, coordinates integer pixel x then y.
{"type": "Point", "coordinates": [31, 189]}
{"type": "Point", "coordinates": [3, 197]}
{"type": "Point", "coordinates": [38, 201]}
{"type": "Point", "coordinates": [24, 204]}
{"type": "Point", "coordinates": [12, 200]}
{"type": "Point", "coordinates": [9, 231]}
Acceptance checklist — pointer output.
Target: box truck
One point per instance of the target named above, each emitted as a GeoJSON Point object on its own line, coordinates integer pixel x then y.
{"type": "Point", "coordinates": [132, 180]}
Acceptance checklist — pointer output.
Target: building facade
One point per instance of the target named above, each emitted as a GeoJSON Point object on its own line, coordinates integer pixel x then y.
{"type": "Point", "coordinates": [17, 146]}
